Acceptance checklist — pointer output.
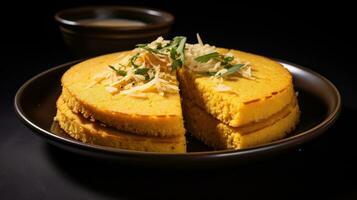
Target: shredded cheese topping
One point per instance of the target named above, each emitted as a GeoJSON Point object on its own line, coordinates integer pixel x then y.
{"type": "Point", "coordinates": [151, 67]}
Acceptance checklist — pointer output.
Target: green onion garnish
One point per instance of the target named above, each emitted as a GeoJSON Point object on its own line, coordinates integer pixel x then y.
{"type": "Point", "coordinates": [118, 71]}
{"type": "Point", "coordinates": [207, 57]}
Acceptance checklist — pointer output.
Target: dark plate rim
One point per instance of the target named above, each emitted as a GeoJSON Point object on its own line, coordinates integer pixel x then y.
{"type": "Point", "coordinates": [277, 145]}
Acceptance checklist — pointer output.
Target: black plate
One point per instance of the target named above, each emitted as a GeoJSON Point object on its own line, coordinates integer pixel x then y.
{"type": "Point", "coordinates": [319, 100]}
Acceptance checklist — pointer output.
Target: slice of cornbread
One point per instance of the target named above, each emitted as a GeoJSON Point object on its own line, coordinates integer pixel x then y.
{"type": "Point", "coordinates": [248, 100]}
{"type": "Point", "coordinates": [154, 115]}
{"type": "Point", "coordinates": [92, 132]}
{"type": "Point", "coordinates": [221, 136]}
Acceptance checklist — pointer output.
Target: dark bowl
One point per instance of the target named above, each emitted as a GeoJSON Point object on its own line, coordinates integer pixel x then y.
{"type": "Point", "coordinates": [319, 101]}
{"type": "Point", "coordinates": [87, 39]}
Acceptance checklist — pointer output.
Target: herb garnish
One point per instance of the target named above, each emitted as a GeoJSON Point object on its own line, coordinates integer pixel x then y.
{"type": "Point", "coordinates": [141, 71]}
{"type": "Point", "coordinates": [207, 57]}
{"type": "Point", "coordinates": [225, 60]}
{"type": "Point", "coordinates": [175, 50]}
{"type": "Point", "coordinates": [207, 73]}
{"type": "Point", "coordinates": [140, 76]}
{"type": "Point", "coordinates": [177, 53]}
{"type": "Point", "coordinates": [228, 59]}
{"type": "Point", "coordinates": [225, 63]}
{"type": "Point", "coordinates": [118, 71]}
{"type": "Point", "coordinates": [145, 46]}
{"type": "Point", "coordinates": [231, 70]}
{"type": "Point", "coordinates": [158, 46]}
{"type": "Point", "coordinates": [180, 50]}
{"type": "Point", "coordinates": [133, 59]}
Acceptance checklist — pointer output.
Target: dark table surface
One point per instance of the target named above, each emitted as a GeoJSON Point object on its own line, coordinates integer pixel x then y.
{"type": "Point", "coordinates": [325, 167]}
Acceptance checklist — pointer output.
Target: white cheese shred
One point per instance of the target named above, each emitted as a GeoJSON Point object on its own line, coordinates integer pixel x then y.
{"type": "Point", "coordinates": [222, 88]}
{"type": "Point", "coordinates": [147, 70]}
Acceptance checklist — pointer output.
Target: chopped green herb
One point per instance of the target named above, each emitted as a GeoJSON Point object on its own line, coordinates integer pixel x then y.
{"type": "Point", "coordinates": [208, 73]}
{"type": "Point", "coordinates": [118, 71]}
{"type": "Point", "coordinates": [176, 64]}
{"type": "Point", "coordinates": [176, 48]}
{"type": "Point", "coordinates": [145, 46]}
{"type": "Point", "coordinates": [225, 61]}
{"type": "Point", "coordinates": [133, 59]}
{"type": "Point", "coordinates": [122, 65]}
{"type": "Point", "coordinates": [158, 46]}
{"type": "Point", "coordinates": [151, 50]}
{"type": "Point", "coordinates": [227, 66]}
{"type": "Point", "coordinates": [141, 71]}
{"type": "Point", "coordinates": [173, 53]}
{"type": "Point", "coordinates": [207, 57]}
{"type": "Point", "coordinates": [232, 70]}
{"type": "Point", "coordinates": [228, 59]}
{"type": "Point", "coordinates": [175, 42]}
{"type": "Point", "coordinates": [181, 49]}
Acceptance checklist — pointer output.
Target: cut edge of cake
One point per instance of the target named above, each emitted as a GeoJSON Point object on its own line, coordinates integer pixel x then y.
{"type": "Point", "coordinates": [226, 106]}
{"type": "Point", "coordinates": [221, 136]}
{"type": "Point", "coordinates": [91, 132]}
{"type": "Point", "coordinates": [229, 122]}
{"type": "Point", "coordinates": [157, 125]}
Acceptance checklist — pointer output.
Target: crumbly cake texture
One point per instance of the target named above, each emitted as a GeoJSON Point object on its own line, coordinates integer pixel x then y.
{"type": "Point", "coordinates": [155, 115]}
{"type": "Point", "coordinates": [87, 131]}
{"type": "Point", "coordinates": [254, 110]}
{"type": "Point", "coordinates": [249, 100]}
{"type": "Point", "coordinates": [216, 134]}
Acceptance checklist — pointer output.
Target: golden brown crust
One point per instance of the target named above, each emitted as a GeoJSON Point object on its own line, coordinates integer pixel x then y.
{"type": "Point", "coordinates": [230, 108]}
{"type": "Point", "coordinates": [91, 132]}
{"type": "Point", "coordinates": [255, 112]}
{"type": "Point", "coordinates": [155, 116]}
{"type": "Point", "coordinates": [221, 136]}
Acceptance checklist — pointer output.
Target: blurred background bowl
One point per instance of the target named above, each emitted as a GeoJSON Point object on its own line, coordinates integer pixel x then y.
{"type": "Point", "coordinates": [90, 31]}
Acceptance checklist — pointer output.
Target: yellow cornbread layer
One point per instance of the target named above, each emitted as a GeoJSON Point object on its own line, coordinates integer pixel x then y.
{"type": "Point", "coordinates": [221, 136]}
{"type": "Point", "coordinates": [91, 132]}
{"type": "Point", "coordinates": [155, 115]}
{"type": "Point", "coordinates": [249, 100]}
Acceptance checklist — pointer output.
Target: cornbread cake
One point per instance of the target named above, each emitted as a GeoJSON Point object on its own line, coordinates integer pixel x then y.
{"type": "Point", "coordinates": [247, 100]}
{"type": "Point", "coordinates": [216, 134]}
{"type": "Point", "coordinates": [132, 100]}
{"type": "Point", "coordinates": [87, 131]}
{"type": "Point", "coordinates": [154, 115]}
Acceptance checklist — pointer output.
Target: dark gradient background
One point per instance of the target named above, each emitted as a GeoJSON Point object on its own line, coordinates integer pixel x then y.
{"type": "Point", "coordinates": [320, 37]}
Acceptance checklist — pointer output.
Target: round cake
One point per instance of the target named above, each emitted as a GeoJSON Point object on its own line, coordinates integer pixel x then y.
{"type": "Point", "coordinates": [154, 115]}
{"type": "Point", "coordinates": [144, 99]}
